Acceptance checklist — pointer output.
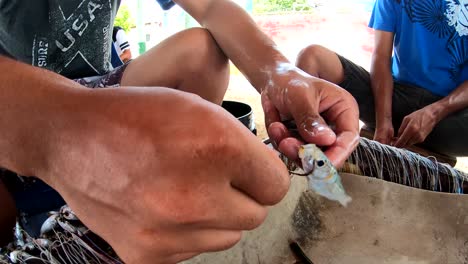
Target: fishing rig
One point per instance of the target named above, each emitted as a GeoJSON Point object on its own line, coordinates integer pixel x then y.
{"type": "Point", "coordinates": [69, 241]}
{"type": "Point", "coordinates": [402, 166]}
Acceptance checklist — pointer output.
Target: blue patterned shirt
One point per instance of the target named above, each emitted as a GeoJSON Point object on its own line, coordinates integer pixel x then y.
{"type": "Point", "coordinates": [430, 44]}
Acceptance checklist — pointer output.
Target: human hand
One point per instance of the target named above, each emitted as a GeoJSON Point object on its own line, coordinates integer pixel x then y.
{"type": "Point", "coordinates": [310, 101]}
{"type": "Point", "coordinates": [384, 132]}
{"type": "Point", "coordinates": [159, 174]}
{"type": "Point", "coordinates": [415, 127]}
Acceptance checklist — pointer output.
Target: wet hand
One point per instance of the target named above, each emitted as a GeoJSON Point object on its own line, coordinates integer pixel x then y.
{"type": "Point", "coordinates": [415, 127]}
{"type": "Point", "coordinates": [162, 175]}
{"type": "Point", "coordinates": [311, 102]}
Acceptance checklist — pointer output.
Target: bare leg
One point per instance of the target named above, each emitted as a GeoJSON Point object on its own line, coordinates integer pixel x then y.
{"type": "Point", "coordinates": [189, 61]}
{"type": "Point", "coordinates": [321, 62]}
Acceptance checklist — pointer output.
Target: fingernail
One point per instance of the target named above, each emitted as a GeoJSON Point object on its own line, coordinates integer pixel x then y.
{"type": "Point", "coordinates": [314, 128]}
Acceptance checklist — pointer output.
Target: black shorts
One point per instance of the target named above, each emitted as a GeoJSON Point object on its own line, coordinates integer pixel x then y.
{"type": "Point", "coordinates": [448, 136]}
{"type": "Point", "coordinates": [111, 79]}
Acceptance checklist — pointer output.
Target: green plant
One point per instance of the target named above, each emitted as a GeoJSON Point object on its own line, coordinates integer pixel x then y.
{"type": "Point", "coordinates": [124, 18]}
{"type": "Point", "coordinates": [266, 6]}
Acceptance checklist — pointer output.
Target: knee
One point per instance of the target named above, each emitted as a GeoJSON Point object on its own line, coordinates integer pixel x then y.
{"type": "Point", "coordinates": [309, 57]}
{"type": "Point", "coordinates": [202, 51]}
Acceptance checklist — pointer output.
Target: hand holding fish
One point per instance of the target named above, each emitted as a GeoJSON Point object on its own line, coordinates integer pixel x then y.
{"type": "Point", "coordinates": [311, 102]}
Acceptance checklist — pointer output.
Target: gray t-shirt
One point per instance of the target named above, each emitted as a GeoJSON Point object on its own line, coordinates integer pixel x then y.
{"type": "Point", "coordinates": [70, 37]}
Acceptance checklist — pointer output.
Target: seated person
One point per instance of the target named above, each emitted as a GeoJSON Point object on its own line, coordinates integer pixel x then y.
{"type": "Point", "coordinates": [420, 95]}
{"type": "Point", "coordinates": [121, 44]}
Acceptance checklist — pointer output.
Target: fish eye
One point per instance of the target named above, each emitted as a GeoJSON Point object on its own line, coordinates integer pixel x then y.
{"type": "Point", "coordinates": [320, 163]}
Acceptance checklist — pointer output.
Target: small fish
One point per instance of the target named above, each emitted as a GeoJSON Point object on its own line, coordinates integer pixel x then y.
{"type": "Point", "coordinates": [19, 256]}
{"type": "Point", "coordinates": [67, 213]}
{"type": "Point", "coordinates": [49, 224]}
{"type": "Point", "coordinates": [42, 242]}
{"type": "Point", "coordinates": [321, 174]}
{"type": "Point", "coordinates": [19, 236]}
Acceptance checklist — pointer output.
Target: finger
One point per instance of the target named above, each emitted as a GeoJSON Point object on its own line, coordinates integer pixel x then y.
{"type": "Point", "coordinates": [277, 132]}
{"type": "Point", "coordinates": [415, 139]}
{"type": "Point", "coordinates": [341, 150]}
{"type": "Point", "coordinates": [381, 139]}
{"type": "Point", "coordinates": [304, 107]}
{"type": "Point", "coordinates": [403, 126]}
{"type": "Point", "coordinates": [314, 129]}
{"type": "Point", "coordinates": [411, 142]}
{"type": "Point", "coordinates": [403, 139]}
{"type": "Point", "coordinates": [243, 214]}
{"type": "Point", "coordinates": [216, 240]}
{"type": "Point", "coordinates": [181, 257]}
{"type": "Point", "coordinates": [345, 115]}
{"type": "Point", "coordinates": [271, 113]}
{"type": "Point", "coordinates": [232, 210]}
{"type": "Point", "coordinates": [290, 147]}
{"type": "Point", "coordinates": [275, 129]}
{"type": "Point", "coordinates": [260, 173]}
{"type": "Point", "coordinates": [189, 242]}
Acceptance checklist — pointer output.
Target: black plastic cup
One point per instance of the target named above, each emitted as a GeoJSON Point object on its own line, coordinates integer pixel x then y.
{"type": "Point", "coordinates": [243, 112]}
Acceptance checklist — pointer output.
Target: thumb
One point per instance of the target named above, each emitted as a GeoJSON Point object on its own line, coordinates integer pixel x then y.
{"type": "Point", "coordinates": [313, 129]}
{"type": "Point", "coordinates": [303, 103]}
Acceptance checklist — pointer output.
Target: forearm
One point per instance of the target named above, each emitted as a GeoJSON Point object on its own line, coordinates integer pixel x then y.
{"type": "Point", "coordinates": [382, 88]}
{"type": "Point", "coordinates": [28, 98]}
{"type": "Point", "coordinates": [241, 40]}
{"type": "Point", "coordinates": [457, 100]}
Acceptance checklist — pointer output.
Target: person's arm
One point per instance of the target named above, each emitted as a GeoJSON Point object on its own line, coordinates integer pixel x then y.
{"type": "Point", "coordinates": [28, 107]}
{"type": "Point", "coordinates": [29, 99]}
{"type": "Point", "coordinates": [419, 124]}
{"type": "Point", "coordinates": [382, 85]}
{"type": "Point", "coordinates": [287, 92]}
{"type": "Point", "coordinates": [456, 101]}
{"type": "Point", "coordinates": [126, 55]}
{"type": "Point", "coordinates": [241, 40]}
{"type": "Point", "coordinates": [154, 185]}
{"type": "Point", "coordinates": [124, 45]}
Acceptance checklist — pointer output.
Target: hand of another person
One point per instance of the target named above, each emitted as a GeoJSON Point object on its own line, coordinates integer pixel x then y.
{"type": "Point", "coordinates": [415, 127]}
{"type": "Point", "coordinates": [384, 133]}
{"type": "Point", "coordinates": [160, 174]}
{"type": "Point", "coordinates": [311, 102]}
